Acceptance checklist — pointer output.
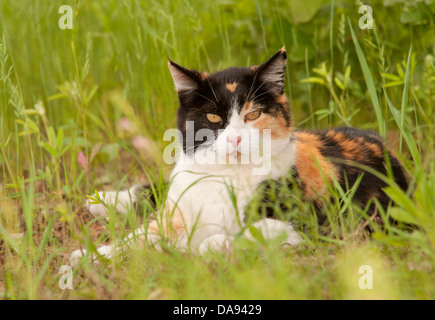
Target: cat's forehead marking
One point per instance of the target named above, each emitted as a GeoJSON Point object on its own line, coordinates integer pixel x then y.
{"type": "Point", "coordinates": [204, 75]}
{"type": "Point", "coordinates": [231, 87]}
{"type": "Point", "coordinates": [246, 106]}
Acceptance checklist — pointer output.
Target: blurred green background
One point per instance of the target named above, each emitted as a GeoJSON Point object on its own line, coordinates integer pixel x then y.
{"type": "Point", "coordinates": [87, 108]}
{"type": "Point", "coordinates": [123, 46]}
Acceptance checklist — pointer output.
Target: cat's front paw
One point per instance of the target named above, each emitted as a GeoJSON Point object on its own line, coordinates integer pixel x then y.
{"type": "Point", "coordinates": [99, 203]}
{"type": "Point", "coordinates": [271, 229]}
{"type": "Point", "coordinates": [103, 251]}
{"type": "Point", "coordinates": [75, 257]}
{"type": "Point", "coordinates": [217, 243]}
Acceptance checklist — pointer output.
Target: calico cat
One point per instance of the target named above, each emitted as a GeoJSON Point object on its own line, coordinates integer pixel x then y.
{"type": "Point", "coordinates": [218, 114]}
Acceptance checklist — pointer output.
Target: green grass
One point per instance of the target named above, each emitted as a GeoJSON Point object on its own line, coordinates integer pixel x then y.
{"type": "Point", "coordinates": [64, 95]}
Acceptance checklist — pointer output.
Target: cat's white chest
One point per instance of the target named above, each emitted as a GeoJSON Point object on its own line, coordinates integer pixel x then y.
{"type": "Point", "coordinates": [211, 202]}
{"type": "Point", "coordinates": [212, 198]}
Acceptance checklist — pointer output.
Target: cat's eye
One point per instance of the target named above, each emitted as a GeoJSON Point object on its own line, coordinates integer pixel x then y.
{"type": "Point", "coordinates": [213, 118]}
{"type": "Point", "coordinates": [253, 115]}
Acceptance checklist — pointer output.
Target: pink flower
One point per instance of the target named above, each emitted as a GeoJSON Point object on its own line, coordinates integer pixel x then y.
{"type": "Point", "coordinates": [125, 124]}
{"type": "Point", "coordinates": [81, 158]}
{"type": "Point", "coordinates": [141, 142]}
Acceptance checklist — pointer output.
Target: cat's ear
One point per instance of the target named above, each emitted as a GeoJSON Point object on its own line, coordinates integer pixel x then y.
{"type": "Point", "coordinates": [273, 70]}
{"type": "Point", "coordinates": [184, 79]}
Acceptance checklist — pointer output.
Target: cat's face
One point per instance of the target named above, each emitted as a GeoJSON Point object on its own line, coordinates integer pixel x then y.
{"type": "Point", "coordinates": [231, 112]}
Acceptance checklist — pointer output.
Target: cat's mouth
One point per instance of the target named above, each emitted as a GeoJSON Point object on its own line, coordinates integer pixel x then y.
{"type": "Point", "coordinates": [236, 154]}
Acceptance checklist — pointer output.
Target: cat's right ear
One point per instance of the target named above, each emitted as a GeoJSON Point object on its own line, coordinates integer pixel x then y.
{"type": "Point", "coordinates": [273, 71]}
{"type": "Point", "coordinates": [184, 79]}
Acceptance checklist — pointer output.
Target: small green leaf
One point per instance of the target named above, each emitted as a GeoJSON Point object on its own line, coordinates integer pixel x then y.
{"type": "Point", "coordinates": [313, 80]}
{"type": "Point", "coordinates": [347, 75]}
{"type": "Point", "coordinates": [393, 84]}
{"type": "Point", "coordinates": [32, 125]}
{"type": "Point", "coordinates": [50, 149]}
{"type": "Point", "coordinates": [57, 96]}
{"type": "Point", "coordinates": [393, 77]}
{"type": "Point", "coordinates": [403, 216]}
{"type": "Point", "coordinates": [322, 70]}
{"type": "Point", "coordinates": [257, 235]}
{"type": "Point", "coordinates": [339, 83]}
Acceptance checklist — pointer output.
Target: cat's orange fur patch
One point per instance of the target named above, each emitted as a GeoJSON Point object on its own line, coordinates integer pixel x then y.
{"type": "Point", "coordinates": [350, 147]}
{"type": "Point", "coordinates": [278, 126]}
{"type": "Point", "coordinates": [231, 87]}
{"type": "Point", "coordinates": [171, 224]}
{"type": "Point", "coordinates": [246, 107]}
{"type": "Point", "coordinates": [283, 100]}
{"type": "Point", "coordinates": [312, 167]}
{"type": "Point", "coordinates": [377, 152]}
{"type": "Point", "coordinates": [204, 75]}
{"type": "Point", "coordinates": [309, 138]}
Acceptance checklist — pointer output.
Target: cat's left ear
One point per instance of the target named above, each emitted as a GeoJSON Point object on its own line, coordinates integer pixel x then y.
{"type": "Point", "coordinates": [184, 79]}
{"type": "Point", "coordinates": [273, 70]}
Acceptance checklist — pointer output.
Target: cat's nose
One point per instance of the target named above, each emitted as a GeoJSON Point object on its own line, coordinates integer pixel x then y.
{"type": "Point", "coordinates": [234, 140]}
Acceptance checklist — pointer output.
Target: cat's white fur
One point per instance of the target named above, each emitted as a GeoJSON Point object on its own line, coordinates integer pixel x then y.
{"type": "Point", "coordinates": [203, 194]}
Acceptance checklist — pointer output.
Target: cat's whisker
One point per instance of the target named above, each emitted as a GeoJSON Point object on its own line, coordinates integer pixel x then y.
{"type": "Point", "coordinates": [205, 98]}
{"type": "Point", "coordinates": [259, 88]}
{"type": "Point", "coordinates": [252, 86]}
{"type": "Point", "coordinates": [261, 94]}
{"type": "Point", "coordinates": [253, 94]}
{"type": "Point", "coordinates": [249, 95]}
{"type": "Point", "coordinates": [267, 79]}
{"type": "Point", "coordinates": [214, 93]}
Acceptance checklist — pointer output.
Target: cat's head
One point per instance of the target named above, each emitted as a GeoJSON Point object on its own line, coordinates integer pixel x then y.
{"type": "Point", "coordinates": [220, 111]}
